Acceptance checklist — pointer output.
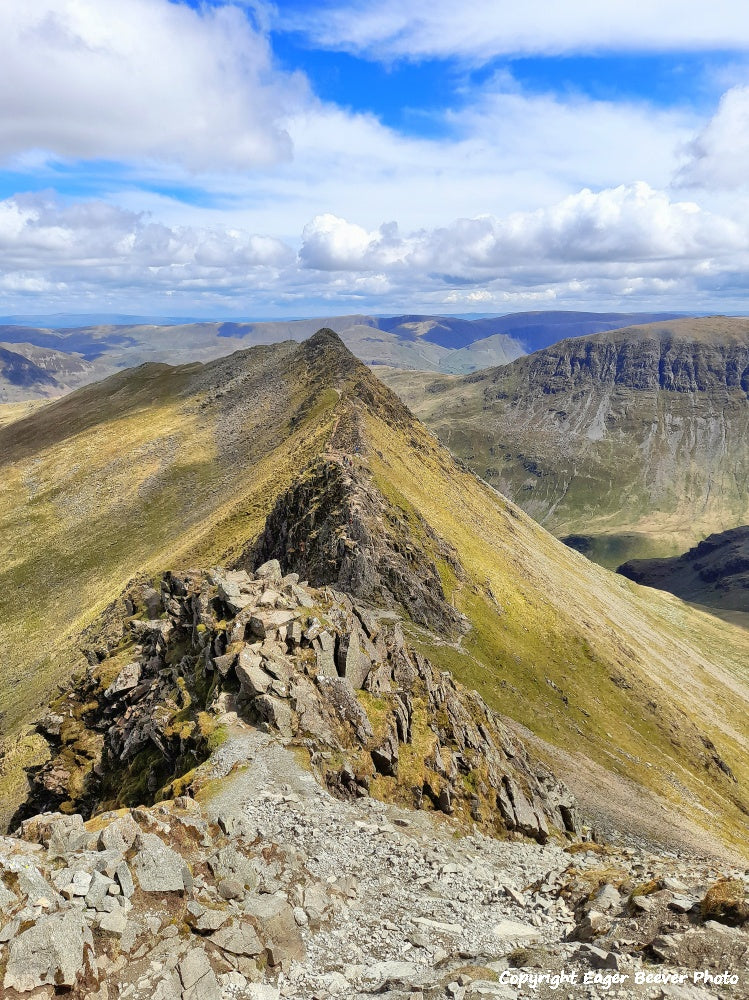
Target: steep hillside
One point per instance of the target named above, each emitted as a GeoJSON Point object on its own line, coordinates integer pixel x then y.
{"type": "Point", "coordinates": [299, 453]}
{"type": "Point", "coordinates": [634, 442]}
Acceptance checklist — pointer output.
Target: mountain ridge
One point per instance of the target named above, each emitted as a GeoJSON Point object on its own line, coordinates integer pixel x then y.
{"type": "Point", "coordinates": [628, 443]}
{"type": "Point", "coordinates": [555, 643]}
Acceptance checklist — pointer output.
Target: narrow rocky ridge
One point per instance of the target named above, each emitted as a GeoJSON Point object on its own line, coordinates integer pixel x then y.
{"type": "Point", "coordinates": [310, 664]}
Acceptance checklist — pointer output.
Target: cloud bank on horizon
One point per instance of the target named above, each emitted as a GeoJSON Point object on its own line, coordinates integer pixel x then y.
{"type": "Point", "coordinates": [236, 159]}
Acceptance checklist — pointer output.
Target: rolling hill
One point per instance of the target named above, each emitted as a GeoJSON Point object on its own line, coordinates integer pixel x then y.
{"type": "Point", "coordinates": [297, 451]}
{"type": "Point", "coordinates": [631, 443]}
{"type": "Point", "coordinates": [51, 360]}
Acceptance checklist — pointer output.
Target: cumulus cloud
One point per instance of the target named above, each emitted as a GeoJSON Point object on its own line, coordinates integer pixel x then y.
{"type": "Point", "coordinates": [630, 242]}
{"type": "Point", "coordinates": [420, 29]}
{"type": "Point", "coordinates": [45, 245]}
{"type": "Point", "coordinates": [629, 223]}
{"type": "Point", "coordinates": [132, 79]}
{"type": "Point", "coordinates": [719, 156]}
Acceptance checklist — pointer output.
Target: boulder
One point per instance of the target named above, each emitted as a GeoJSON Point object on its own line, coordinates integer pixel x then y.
{"type": "Point", "coordinates": [252, 678]}
{"type": "Point", "coordinates": [127, 679]}
{"type": "Point", "coordinates": [274, 919]}
{"type": "Point", "coordinates": [157, 867]}
{"type": "Point", "coordinates": [53, 951]}
{"type": "Point", "coordinates": [198, 978]}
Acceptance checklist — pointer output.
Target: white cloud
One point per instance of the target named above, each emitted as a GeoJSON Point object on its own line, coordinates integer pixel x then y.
{"type": "Point", "coordinates": [719, 156]}
{"type": "Point", "coordinates": [130, 80]}
{"type": "Point", "coordinates": [630, 223]}
{"type": "Point", "coordinates": [486, 28]}
{"type": "Point", "coordinates": [628, 244]}
{"type": "Point", "coordinates": [45, 245]}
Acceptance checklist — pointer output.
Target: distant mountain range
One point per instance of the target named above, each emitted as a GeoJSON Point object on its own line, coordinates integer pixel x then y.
{"type": "Point", "coordinates": [79, 351]}
{"type": "Point", "coordinates": [630, 443]}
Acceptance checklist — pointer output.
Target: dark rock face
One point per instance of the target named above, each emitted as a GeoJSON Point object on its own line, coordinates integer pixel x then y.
{"type": "Point", "coordinates": [255, 641]}
{"type": "Point", "coordinates": [335, 527]}
{"type": "Point", "coordinates": [715, 572]}
{"type": "Point", "coordinates": [668, 363]}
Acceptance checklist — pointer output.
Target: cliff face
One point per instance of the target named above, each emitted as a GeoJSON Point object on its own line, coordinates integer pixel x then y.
{"type": "Point", "coordinates": [634, 442]}
{"type": "Point", "coordinates": [665, 362]}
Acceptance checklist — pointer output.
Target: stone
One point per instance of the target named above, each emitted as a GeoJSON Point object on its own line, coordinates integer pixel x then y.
{"type": "Point", "coordinates": [98, 889]}
{"type": "Point", "coordinates": [125, 879]}
{"type": "Point", "coordinates": [276, 713]}
{"type": "Point", "coordinates": [119, 835]}
{"type": "Point", "coordinates": [352, 662]}
{"type": "Point", "coordinates": [114, 922]}
{"type": "Point", "coordinates": [593, 925]}
{"type": "Point", "coordinates": [52, 951]}
{"type": "Point", "coordinates": [324, 645]}
{"type": "Point", "coordinates": [229, 888]}
{"type": "Point", "coordinates": [270, 572]}
{"type": "Point", "coordinates": [600, 959]}
{"type": "Point", "coordinates": [265, 624]}
{"type": "Point", "coordinates": [198, 978]}
{"type": "Point", "coordinates": [224, 663]}
{"type": "Point", "coordinates": [252, 678]}
{"type": "Point", "coordinates": [127, 679]}
{"type": "Point", "coordinates": [238, 939]}
{"type": "Point", "coordinates": [680, 903]}
{"type": "Point", "coordinates": [607, 899]}
{"type": "Point", "coordinates": [514, 930]}
{"type": "Point", "coordinates": [157, 867]}
{"type": "Point", "coordinates": [275, 921]}
{"type": "Point", "coordinates": [230, 863]}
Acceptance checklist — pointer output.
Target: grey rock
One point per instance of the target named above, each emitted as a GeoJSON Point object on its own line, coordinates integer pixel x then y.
{"type": "Point", "coordinates": [276, 713]}
{"type": "Point", "coordinates": [238, 939]}
{"type": "Point", "coordinates": [198, 978]}
{"type": "Point", "coordinates": [252, 678]}
{"type": "Point", "coordinates": [270, 572]}
{"type": "Point", "coordinates": [125, 879]}
{"type": "Point", "coordinates": [157, 867]}
{"type": "Point", "coordinates": [275, 921]}
{"type": "Point", "coordinates": [52, 951]}
{"type": "Point", "coordinates": [114, 922]}
{"type": "Point", "coordinates": [127, 679]}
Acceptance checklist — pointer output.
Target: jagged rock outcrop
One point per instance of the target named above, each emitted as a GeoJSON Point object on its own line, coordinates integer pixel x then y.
{"type": "Point", "coordinates": [335, 527]}
{"type": "Point", "coordinates": [312, 664]}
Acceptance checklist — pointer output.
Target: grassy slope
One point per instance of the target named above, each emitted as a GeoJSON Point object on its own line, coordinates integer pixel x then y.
{"type": "Point", "coordinates": [126, 477]}
{"type": "Point", "coordinates": [638, 669]}
{"type": "Point", "coordinates": [640, 474]}
{"type": "Point", "coordinates": [164, 466]}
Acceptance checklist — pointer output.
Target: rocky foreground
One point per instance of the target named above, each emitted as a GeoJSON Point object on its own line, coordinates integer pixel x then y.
{"type": "Point", "coordinates": [270, 887]}
{"type": "Point", "coordinates": [330, 817]}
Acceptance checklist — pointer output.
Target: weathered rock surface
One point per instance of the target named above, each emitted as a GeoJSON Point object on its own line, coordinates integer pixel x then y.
{"type": "Point", "coordinates": [311, 664]}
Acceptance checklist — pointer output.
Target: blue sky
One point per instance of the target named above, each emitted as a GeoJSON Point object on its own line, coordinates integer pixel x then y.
{"type": "Point", "coordinates": [242, 159]}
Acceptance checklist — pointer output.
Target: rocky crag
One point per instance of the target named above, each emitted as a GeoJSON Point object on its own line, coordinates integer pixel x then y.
{"type": "Point", "coordinates": [312, 665]}
{"type": "Point", "coordinates": [628, 443]}
{"type": "Point", "coordinates": [714, 572]}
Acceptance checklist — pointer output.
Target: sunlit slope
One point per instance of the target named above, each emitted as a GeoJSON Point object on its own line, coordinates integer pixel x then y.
{"type": "Point", "coordinates": [630, 678]}
{"type": "Point", "coordinates": [636, 440]}
{"type": "Point", "coordinates": [148, 468]}
{"type": "Point", "coordinates": [163, 466]}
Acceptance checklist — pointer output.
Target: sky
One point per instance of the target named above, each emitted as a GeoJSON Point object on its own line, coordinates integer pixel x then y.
{"type": "Point", "coordinates": [258, 160]}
